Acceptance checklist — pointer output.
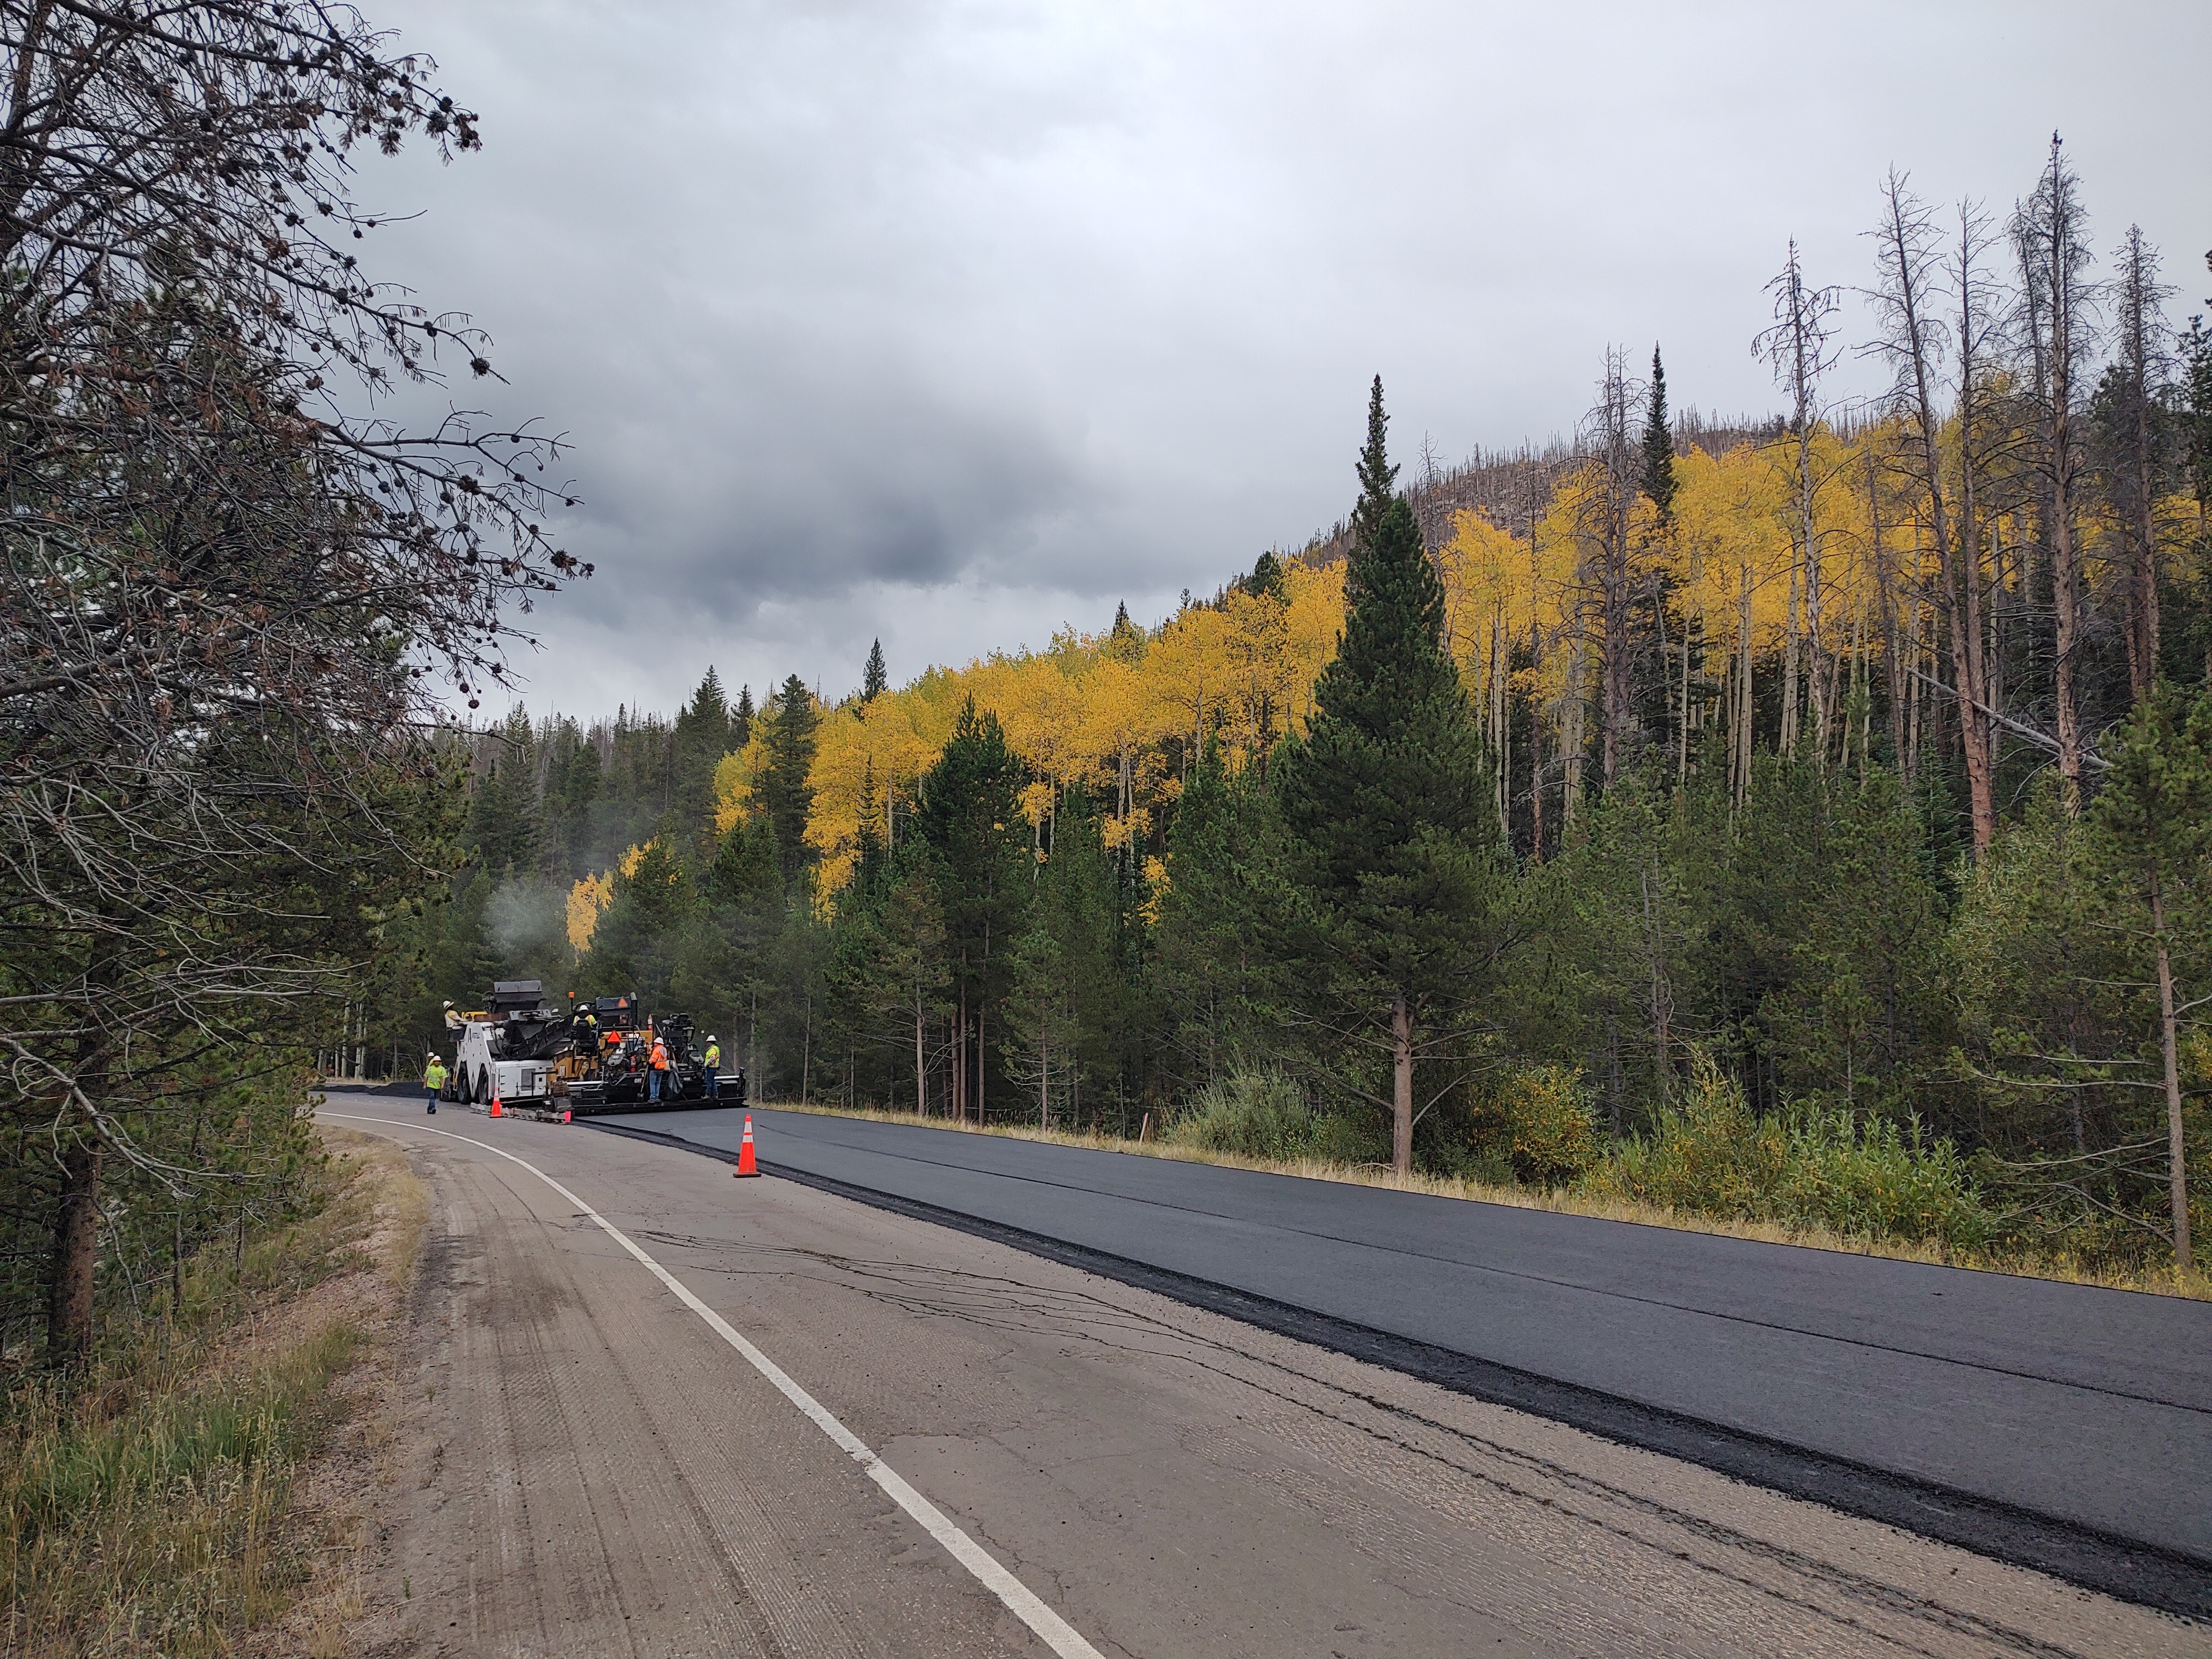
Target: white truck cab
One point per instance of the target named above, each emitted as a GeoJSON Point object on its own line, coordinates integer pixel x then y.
{"type": "Point", "coordinates": [482, 1070]}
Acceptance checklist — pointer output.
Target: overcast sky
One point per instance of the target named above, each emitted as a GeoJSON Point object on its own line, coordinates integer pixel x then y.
{"type": "Point", "coordinates": [952, 324]}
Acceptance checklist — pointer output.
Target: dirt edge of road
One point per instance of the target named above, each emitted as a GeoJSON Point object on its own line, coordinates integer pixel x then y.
{"type": "Point", "coordinates": [338, 1493]}
{"type": "Point", "coordinates": [2167, 1582]}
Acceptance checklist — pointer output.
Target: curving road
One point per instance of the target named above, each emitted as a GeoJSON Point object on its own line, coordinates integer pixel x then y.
{"type": "Point", "coordinates": [2063, 1427]}
{"type": "Point", "coordinates": [643, 1409]}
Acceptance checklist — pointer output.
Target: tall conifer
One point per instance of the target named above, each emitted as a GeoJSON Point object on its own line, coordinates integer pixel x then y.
{"type": "Point", "coordinates": [783, 788]}
{"type": "Point", "coordinates": [1394, 841]}
{"type": "Point", "coordinates": [874, 681]}
{"type": "Point", "coordinates": [1659, 444]}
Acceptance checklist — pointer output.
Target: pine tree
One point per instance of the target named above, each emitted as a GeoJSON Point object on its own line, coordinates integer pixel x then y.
{"type": "Point", "coordinates": [873, 683]}
{"type": "Point", "coordinates": [1397, 882]}
{"type": "Point", "coordinates": [1215, 972]}
{"type": "Point", "coordinates": [784, 790]}
{"type": "Point", "coordinates": [2152, 842]}
{"type": "Point", "coordinates": [1659, 482]}
{"type": "Point", "coordinates": [741, 718]}
{"type": "Point", "coordinates": [1266, 581]}
{"type": "Point", "coordinates": [1126, 641]}
{"type": "Point", "coordinates": [969, 819]}
{"type": "Point", "coordinates": [701, 738]}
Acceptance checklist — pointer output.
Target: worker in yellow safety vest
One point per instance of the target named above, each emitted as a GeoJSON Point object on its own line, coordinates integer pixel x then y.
{"type": "Point", "coordinates": [660, 1067]}
{"type": "Point", "coordinates": [713, 1068]}
{"type": "Point", "coordinates": [434, 1079]}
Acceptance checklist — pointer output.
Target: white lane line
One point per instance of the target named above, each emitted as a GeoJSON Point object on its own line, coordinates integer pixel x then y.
{"type": "Point", "coordinates": [1055, 1632]}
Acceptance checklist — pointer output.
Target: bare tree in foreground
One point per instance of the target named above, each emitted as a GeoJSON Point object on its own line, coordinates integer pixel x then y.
{"type": "Point", "coordinates": [227, 597]}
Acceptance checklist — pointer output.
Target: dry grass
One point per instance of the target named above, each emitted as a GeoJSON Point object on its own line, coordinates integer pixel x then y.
{"type": "Point", "coordinates": [153, 1506]}
{"type": "Point", "coordinates": [2165, 1282]}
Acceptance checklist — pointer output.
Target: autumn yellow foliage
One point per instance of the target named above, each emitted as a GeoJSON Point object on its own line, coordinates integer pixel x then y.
{"type": "Point", "coordinates": [1124, 716]}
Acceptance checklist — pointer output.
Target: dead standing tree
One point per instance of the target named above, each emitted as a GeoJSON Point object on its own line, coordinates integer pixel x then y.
{"type": "Point", "coordinates": [2050, 232]}
{"type": "Point", "coordinates": [227, 598]}
{"type": "Point", "coordinates": [1797, 347]}
{"type": "Point", "coordinates": [1913, 340]}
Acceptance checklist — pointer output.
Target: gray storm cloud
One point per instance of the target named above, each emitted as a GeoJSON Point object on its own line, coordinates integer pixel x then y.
{"type": "Point", "coordinates": [951, 323]}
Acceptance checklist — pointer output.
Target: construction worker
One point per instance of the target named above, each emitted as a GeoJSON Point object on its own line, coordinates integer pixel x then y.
{"type": "Point", "coordinates": [660, 1067]}
{"type": "Point", "coordinates": [714, 1066]}
{"type": "Point", "coordinates": [434, 1079]}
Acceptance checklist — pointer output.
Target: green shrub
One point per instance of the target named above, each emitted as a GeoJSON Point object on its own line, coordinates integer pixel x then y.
{"type": "Point", "coordinates": [1549, 1136]}
{"type": "Point", "coordinates": [1256, 1114]}
{"type": "Point", "coordinates": [1710, 1155]}
{"type": "Point", "coordinates": [1874, 1181]}
{"type": "Point", "coordinates": [1359, 1136]}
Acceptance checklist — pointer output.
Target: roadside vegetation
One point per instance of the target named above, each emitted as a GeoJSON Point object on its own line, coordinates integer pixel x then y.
{"type": "Point", "coordinates": [149, 1500]}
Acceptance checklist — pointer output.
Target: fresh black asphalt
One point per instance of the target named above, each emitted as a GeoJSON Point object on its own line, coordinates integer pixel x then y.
{"type": "Point", "coordinates": [2065, 1426]}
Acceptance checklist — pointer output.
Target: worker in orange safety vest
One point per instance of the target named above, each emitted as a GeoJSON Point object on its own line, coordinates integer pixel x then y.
{"type": "Point", "coordinates": [660, 1067]}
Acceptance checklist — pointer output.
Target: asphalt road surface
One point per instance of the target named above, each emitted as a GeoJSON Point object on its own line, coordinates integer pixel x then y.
{"type": "Point", "coordinates": [622, 1437]}
{"type": "Point", "coordinates": [2064, 1426]}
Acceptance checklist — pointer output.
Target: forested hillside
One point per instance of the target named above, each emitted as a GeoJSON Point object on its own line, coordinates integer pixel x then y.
{"type": "Point", "coordinates": [1805, 818]}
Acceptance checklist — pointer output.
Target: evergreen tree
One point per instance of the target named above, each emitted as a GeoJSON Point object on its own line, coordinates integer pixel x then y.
{"type": "Point", "coordinates": [503, 825]}
{"type": "Point", "coordinates": [642, 935]}
{"type": "Point", "coordinates": [741, 718]}
{"type": "Point", "coordinates": [2151, 844]}
{"type": "Point", "coordinates": [1125, 641]}
{"type": "Point", "coordinates": [701, 738]}
{"type": "Point", "coordinates": [1398, 889]}
{"type": "Point", "coordinates": [1216, 973]}
{"type": "Point", "coordinates": [744, 869]}
{"type": "Point", "coordinates": [1068, 1006]}
{"type": "Point", "coordinates": [784, 790]}
{"type": "Point", "coordinates": [579, 794]}
{"type": "Point", "coordinates": [1659, 444]}
{"type": "Point", "coordinates": [970, 820]}
{"type": "Point", "coordinates": [1266, 581]}
{"type": "Point", "coordinates": [873, 683]}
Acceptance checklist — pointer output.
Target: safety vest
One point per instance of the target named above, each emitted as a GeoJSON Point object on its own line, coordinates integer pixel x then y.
{"type": "Point", "coordinates": [713, 1053]}
{"type": "Point", "coordinates": [435, 1075]}
{"type": "Point", "coordinates": [660, 1058]}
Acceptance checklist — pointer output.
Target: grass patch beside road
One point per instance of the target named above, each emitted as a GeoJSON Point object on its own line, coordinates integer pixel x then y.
{"type": "Point", "coordinates": [147, 1505]}
{"type": "Point", "coordinates": [1561, 1199]}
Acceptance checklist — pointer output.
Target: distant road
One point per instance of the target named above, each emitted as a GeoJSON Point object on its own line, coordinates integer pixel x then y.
{"type": "Point", "coordinates": [2064, 1426]}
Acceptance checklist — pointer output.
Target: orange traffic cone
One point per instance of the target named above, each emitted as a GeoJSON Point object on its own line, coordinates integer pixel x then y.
{"type": "Point", "coordinates": [495, 1111]}
{"type": "Point", "coordinates": [566, 1117]}
{"type": "Point", "coordinates": [746, 1164]}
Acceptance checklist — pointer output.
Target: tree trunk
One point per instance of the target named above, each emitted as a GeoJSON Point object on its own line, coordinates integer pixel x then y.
{"type": "Point", "coordinates": [77, 1257]}
{"type": "Point", "coordinates": [920, 1067]}
{"type": "Point", "coordinates": [2185, 1260]}
{"type": "Point", "coordinates": [1401, 1084]}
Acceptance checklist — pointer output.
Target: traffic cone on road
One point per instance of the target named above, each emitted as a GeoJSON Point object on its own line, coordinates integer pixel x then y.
{"type": "Point", "coordinates": [495, 1111]}
{"type": "Point", "coordinates": [746, 1164]}
{"type": "Point", "coordinates": [567, 1117]}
